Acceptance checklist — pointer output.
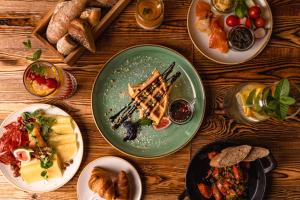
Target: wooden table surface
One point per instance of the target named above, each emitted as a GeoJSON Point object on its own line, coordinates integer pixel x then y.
{"type": "Point", "coordinates": [162, 178]}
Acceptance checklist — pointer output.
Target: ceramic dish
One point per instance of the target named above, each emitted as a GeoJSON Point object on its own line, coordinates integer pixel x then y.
{"type": "Point", "coordinates": [200, 39]}
{"type": "Point", "coordinates": [52, 184]}
{"type": "Point", "coordinates": [113, 164]}
{"type": "Point", "coordinates": [134, 65]}
{"type": "Point", "coordinates": [199, 166]}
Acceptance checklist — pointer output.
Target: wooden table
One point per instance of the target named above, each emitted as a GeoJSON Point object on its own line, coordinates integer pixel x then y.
{"type": "Point", "coordinates": [162, 178]}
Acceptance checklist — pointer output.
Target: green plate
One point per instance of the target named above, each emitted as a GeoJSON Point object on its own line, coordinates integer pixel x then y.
{"type": "Point", "coordinates": [133, 66]}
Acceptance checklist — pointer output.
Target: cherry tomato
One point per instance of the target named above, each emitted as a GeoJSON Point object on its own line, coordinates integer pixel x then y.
{"type": "Point", "coordinates": [260, 22]}
{"type": "Point", "coordinates": [232, 20]}
{"type": "Point", "coordinates": [41, 80]}
{"type": "Point", "coordinates": [248, 23]}
{"type": "Point", "coordinates": [205, 190]}
{"type": "Point", "coordinates": [216, 192]}
{"type": "Point", "coordinates": [51, 83]}
{"type": "Point", "coordinates": [254, 12]}
{"type": "Point", "coordinates": [212, 154]}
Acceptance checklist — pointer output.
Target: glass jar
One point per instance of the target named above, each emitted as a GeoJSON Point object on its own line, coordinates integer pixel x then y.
{"type": "Point", "coordinates": [149, 13]}
{"type": "Point", "coordinates": [250, 102]}
{"type": "Point", "coordinates": [43, 79]}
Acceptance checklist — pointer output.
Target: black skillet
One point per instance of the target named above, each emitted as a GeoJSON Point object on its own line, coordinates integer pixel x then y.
{"type": "Point", "coordinates": [199, 166]}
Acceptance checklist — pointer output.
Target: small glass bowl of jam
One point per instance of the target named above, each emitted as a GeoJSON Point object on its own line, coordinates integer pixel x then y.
{"type": "Point", "coordinates": [241, 38]}
{"type": "Point", "coordinates": [180, 111]}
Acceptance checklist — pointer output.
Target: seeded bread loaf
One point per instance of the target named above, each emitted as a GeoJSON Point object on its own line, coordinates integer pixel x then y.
{"type": "Point", "coordinates": [63, 14]}
{"type": "Point", "coordinates": [80, 31]}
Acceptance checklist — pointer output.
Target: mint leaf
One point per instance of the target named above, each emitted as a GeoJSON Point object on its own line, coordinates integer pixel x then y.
{"type": "Point", "coordinates": [282, 88]}
{"type": "Point", "coordinates": [250, 98]}
{"type": "Point", "coordinates": [145, 122]}
{"type": "Point", "coordinates": [282, 111]}
{"type": "Point", "coordinates": [27, 44]}
{"type": "Point", "coordinates": [36, 55]}
{"type": "Point", "coordinates": [272, 105]}
{"type": "Point", "coordinates": [38, 69]}
{"type": "Point", "coordinates": [287, 100]}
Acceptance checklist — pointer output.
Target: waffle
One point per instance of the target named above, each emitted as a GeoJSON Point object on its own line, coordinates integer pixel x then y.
{"type": "Point", "coordinates": [153, 101]}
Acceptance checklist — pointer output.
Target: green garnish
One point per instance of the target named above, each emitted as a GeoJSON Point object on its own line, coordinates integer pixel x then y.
{"type": "Point", "coordinates": [36, 55]}
{"type": "Point", "coordinates": [146, 11]}
{"type": "Point", "coordinates": [145, 122]}
{"type": "Point", "coordinates": [37, 69]}
{"type": "Point", "coordinates": [27, 44]}
{"type": "Point", "coordinates": [277, 105]}
{"type": "Point", "coordinates": [241, 9]}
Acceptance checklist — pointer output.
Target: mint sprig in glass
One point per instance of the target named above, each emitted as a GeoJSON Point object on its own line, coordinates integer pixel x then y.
{"type": "Point", "coordinates": [255, 102]}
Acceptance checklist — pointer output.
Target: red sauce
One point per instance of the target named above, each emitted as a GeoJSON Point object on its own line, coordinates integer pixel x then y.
{"type": "Point", "coordinates": [180, 111]}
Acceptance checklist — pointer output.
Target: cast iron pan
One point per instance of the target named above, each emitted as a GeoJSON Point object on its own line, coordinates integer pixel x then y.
{"type": "Point", "coordinates": [199, 166]}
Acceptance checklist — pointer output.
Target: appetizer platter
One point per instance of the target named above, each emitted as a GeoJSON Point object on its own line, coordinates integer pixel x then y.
{"type": "Point", "coordinates": [148, 101]}
{"type": "Point", "coordinates": [230, 32]}
{"type": "Point", "coordinates": [74, 25]}
{"type": "Point", "coordinates": [41, 148]}
{"type": "Point", "coordinates": [224, 170]}
{"type": "Point", "coordinates": [109, 178]}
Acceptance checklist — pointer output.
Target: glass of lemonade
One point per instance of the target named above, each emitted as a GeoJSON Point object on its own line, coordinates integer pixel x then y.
{"type": "Point", "coordinates": [254, 102]}
{"type": "Point", "coordinates": [149, 13]}
{"type": "Point", "coordinates": [43, 79]}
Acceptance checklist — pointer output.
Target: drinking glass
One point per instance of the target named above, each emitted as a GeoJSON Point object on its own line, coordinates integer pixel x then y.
{"type": "Point", "coordinates": [238, 107]}
{"type": "Point", "coordinates": [149, 13]}
{"type": "Point", "coordinates": [43, 79]}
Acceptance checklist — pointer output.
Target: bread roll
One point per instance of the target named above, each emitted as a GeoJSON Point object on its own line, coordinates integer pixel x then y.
{"type": "Point", "coordinates": [102, 3]}
{"type": "Point", "coordinates": [66, 45]}
{"type": "Point", "coordinates": [92, 15]}
{"type": "Point", "coordinates": [230, 156]}
{"type": "Point", "coordinates": [256, 153]}
{"type": "Point", "coordinates": [63, 14]}
{"type": "Point", "coordinates": [81, 32]}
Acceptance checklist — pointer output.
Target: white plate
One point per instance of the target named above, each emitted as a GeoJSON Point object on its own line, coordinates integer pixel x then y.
{"type": "Point", "coordinates": [51, 184]}
{"type": "Point", "coordinates": [201, 40]}
{"type": "Point", "coordinates": [115, 165]}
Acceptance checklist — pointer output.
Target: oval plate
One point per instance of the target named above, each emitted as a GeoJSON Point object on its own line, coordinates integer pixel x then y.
{"type": "Point", "coordinates": [133, 66]}
{"type": "Point", "coordinates": [201, 40]}
{"type": "Point", "coordinates": [115, 165]}
{"type": "Point", "coordinates": [52, 184]}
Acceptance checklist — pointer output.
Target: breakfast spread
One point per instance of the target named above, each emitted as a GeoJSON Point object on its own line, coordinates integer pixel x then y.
{"type": "Point", "coordinates": [38, 146]}
{"type": "Point", "coordinates": [151, 98]}
{"type": "Point", "coordinates": [243, 28]}
{"type": "Point", "coordinates": [228, 174]}
{"type": "Point", "coordinates": [72, 24]}
{"type": "Point", "coordinates": [110, 187]}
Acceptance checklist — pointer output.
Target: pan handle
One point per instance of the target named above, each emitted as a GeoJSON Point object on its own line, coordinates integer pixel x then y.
{"type": "Point", "coordinates": [271, 164]}
{"type": "Point", "coordinates": [182, 195]}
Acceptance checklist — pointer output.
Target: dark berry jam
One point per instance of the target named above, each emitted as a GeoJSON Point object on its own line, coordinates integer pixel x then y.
{"type": "Point", "coordinates": [180, 111]}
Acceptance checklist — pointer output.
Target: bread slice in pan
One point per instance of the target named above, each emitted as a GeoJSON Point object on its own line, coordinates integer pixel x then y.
{"type": "Point", "coordinates": [256, 153]}
{"type": "Point", "coordinates": [80, 31]}
{"type": "Point", "coordinates": [230, 156]}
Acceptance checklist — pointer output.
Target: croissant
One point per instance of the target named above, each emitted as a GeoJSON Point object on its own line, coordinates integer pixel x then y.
{"type": "Point", "coordinates": [101, 183]}
{"type": "Point", "coordinates": [122, 186]}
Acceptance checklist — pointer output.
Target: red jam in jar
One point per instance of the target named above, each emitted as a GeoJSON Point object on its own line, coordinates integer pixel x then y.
{"type": "Point", "coordinates": [180, 111]}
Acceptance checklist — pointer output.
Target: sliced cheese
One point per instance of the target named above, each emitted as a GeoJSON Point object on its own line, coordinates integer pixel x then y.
{"type": "Point", "coordinates": [66, 128]}
{"type": "Point", "coordinates": [31, 171]}
{"type": "Point", "coordinates": [60, 119]}
{"type": "Point", "coordinates": [66, 151]}
{"type": "Point", "coordinates": [56, 139]}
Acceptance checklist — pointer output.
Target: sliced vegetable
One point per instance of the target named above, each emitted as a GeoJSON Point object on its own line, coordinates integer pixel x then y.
{"type": "Point", "coordinates": [241, 9]}
{"type": "Point", "coordinates": [232, 20]}
{"type": "Point", "coordinates": [254, 12]}
{"type": "Point", "coordinates": [205, 190]}
{"type": "Point", "coordinates": [260, 22]}
{"type": "Point", "coordinates": [260, 33]}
